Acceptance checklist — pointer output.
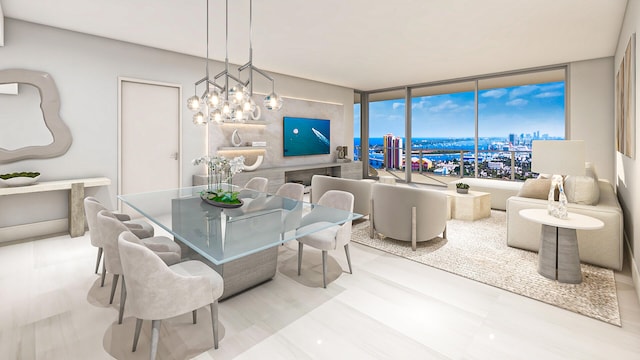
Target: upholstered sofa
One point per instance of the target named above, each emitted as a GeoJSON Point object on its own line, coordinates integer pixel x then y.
{"type": "Point", "coordinates": [588, 196]}
{"type": "Point", "coordinates": [500, 190]}
{"type": "Point", "coordinates": [361, 190]}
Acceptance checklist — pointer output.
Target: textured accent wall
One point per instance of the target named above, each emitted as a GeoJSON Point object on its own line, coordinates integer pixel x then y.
{"type": "Point", "coordinates": [271, 132]}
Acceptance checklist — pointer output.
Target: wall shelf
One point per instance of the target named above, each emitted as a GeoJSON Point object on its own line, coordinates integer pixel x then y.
{"type": "Point", "coordinates": [248, 122]}
{"type": "Point", "coordinates": [241, 148]}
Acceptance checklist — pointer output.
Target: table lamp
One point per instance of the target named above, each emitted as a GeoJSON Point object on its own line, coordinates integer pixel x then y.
{"type": "Point", "coordinates": [558, 157]}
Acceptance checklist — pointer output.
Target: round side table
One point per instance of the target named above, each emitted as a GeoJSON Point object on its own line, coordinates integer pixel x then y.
{"type": "Point", "coordinates": [558, 257]}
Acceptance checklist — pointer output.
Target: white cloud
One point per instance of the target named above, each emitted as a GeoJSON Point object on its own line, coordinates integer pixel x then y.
{"type": "Point", "coordinates": [496, 93]}
{"type": "Point", "coordinates": [446, 105]}
{"type": "Point", "coordinates": [517, 102]}
{"type": "Point", "coordinates": [522, 90]}
{"type": "Point", "coordinates": [420, 104]}
{"type": "Point", "coordinates": [545, 88]}
{"type": "Point", "coordinates": [397, 105]}
{"type": "Point", "coordinates": [549, 94]}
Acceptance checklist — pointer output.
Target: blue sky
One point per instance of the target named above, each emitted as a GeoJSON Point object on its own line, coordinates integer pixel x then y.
{"type": "Point", "coordinates": [518, 109]}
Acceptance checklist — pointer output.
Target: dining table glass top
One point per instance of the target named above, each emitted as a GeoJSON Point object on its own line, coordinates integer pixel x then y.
{"type": "Point", "coordinates": [224, 234]}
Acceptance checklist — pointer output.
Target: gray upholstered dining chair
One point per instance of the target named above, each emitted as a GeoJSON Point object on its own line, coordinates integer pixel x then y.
{"type": "Point", "coordinates": [92, 206]}
{"type": "Point", "coordinates": [110, 228]}
{"type": "Point", "coordinates": [157, 291]}
{"type": "Point", "coordinates": [330, 238]}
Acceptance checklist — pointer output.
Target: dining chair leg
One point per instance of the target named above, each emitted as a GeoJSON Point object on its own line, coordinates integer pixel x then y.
{"type": "Point", "coordinates": [136, 335]}
{"type": "Point", "coordinates": [114, 283]}
{"type": "Point", "coordinates": [104, 273]}
{"type": "Point", "coordinates": [155, 336]}
{"type": "Point", "coordinates": [98, 259]}
{"type": "Point", "coordinates": [194, 314]}
{"type": "Point", "coordinates": [300, 245]}
{"type": "Point", "coordinates": [346, 251]}
{"type": "Point", "coordinates": [324, 268]}
{"type": "Point", "coordinates": [123, 299]}
{"type": "Point", "coordinates": [214, 322]}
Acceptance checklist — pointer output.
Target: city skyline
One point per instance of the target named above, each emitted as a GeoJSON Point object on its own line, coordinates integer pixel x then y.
{"type": "Point", "coordinates": [519, 109]}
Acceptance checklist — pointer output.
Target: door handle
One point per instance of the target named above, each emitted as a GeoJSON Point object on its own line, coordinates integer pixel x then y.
{"type": "Point", "coordinates": [174, 156]}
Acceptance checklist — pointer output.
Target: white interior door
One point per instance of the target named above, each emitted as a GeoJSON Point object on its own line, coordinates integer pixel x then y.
{"type": "Point", "coordinates": [150, 134]}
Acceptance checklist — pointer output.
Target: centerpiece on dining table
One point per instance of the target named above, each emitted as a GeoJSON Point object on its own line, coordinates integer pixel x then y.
{"type": "Point", "coordinates": [220, 171]}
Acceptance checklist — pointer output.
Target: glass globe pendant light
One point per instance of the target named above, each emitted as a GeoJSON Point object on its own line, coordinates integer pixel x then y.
{"type": "Point", "coordinates": [214, 99]}
{"type": "Point", "coordinates": [273, 102]}
{"type": "Point", "coordinates": [193, 103]}
{"type": "Point", "coordinates": [199, 118]}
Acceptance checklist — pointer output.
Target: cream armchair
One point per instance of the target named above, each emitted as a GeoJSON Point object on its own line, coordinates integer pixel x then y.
{"type": "Point", "coordinates": [157, 291]}
{"type": "Point", "coordinates": [408, 214]}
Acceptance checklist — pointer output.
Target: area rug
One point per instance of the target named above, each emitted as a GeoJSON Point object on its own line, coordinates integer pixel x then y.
{"type": "Point", "coordinates": [477, 250]}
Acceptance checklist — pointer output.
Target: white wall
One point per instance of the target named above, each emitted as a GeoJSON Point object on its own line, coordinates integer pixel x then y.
{"type": "Point", "coordinates": [86, 70]}
{"type": "Point", "coordinates": [627, 169]}
{"type": "Point", "coordinates": [1, 26]}
{"type": "Point", "coordinates": [591, 112]}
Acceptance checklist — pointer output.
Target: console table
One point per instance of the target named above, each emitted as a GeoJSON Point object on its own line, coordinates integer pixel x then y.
{"type": "Point", "coordinates": [300, 173]}
{"type": "Point", "coordinates": [76, 197]}
{"type": "Point", "coordinates": [559, 258]}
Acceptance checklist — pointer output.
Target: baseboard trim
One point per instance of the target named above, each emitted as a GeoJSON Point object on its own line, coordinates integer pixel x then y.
{"type": "Point", "coordinates": [33, 230]}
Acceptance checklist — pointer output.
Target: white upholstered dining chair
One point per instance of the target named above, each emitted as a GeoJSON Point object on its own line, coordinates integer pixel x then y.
{"type": "Point", "coordinates": [110, 228]}
{"type": "Point", "coordinates": [293, 191]}
{"type": "Point", "coordinates": [157, 291]}
{"type": "Point", "coordinates": [258, 184]}
{"type": "Point", "coordinates": [92, 206]}
{"type": "Point", "coordinates": [330, 238]}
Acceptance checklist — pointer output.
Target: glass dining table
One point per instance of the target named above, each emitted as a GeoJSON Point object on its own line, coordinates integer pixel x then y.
{"type": "Point", "coordinates": [239, 243]}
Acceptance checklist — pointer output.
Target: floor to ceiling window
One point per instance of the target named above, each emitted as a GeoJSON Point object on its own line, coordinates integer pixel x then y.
{"type": "Point", "coordinates": [357, 148]}
{"type": "Point", "coordinates": [512, 112]}
{"type": "Point", "coordinates": [386, 133]}
{"type": "Point", "coordinates": [478, 127]}
{"type": "Point", "coordinates": [442, 132]}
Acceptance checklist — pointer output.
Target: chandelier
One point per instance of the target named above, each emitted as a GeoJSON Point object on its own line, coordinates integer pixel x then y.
{"type": "Point", "coordinates": [232, 100]}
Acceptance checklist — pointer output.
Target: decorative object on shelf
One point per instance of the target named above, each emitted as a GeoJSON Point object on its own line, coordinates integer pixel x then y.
{"type": "Point", "coordinates": [227, 102]}
{"type": "Point", "coordinates": [462, 188]}
{"type": "Point", "coordinates": [19, 179]}
{"type": "Point", "coordinates": [564, 157]}
{"type": "Point", "coordinates": [255, 165]}
{"type": "Point", "coordinates": [220, 171]}
{"type": "Point", "coordinates": [235, 138]}
{"type": "Point", "coordinates": [340, 152]}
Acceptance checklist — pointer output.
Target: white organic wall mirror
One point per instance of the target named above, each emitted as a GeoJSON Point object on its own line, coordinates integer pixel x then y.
{"type": "Point", "coordinates": [41, 143]}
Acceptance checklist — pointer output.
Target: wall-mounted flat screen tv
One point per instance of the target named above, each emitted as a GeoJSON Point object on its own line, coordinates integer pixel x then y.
{"type": "Point", "coordinates": [303, 136]}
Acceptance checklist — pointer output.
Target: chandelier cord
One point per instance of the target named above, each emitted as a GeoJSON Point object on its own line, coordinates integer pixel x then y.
{"type": "Point", "coordinates": [207, 66]}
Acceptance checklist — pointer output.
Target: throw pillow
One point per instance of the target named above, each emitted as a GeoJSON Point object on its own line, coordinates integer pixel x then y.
{"type": "Point", "coordinates": [583, 189]}
{"type": "Point", "coordinates": [535, 189]}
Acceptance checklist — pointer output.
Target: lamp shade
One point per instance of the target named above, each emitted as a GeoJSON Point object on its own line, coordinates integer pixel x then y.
{"type": "Point", "coordinates": [561, 157]}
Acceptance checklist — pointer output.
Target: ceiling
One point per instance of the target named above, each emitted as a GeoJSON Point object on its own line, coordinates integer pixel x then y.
{"type": "Point", "coordinates": [361, 44]}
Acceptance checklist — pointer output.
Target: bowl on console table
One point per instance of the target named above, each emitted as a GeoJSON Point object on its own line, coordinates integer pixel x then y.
{"type": "Point", "coordinates": [19, 179]}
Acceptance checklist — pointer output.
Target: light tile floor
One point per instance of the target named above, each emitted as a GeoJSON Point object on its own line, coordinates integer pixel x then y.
{"type": "Point", "coordinates": [52, 307]}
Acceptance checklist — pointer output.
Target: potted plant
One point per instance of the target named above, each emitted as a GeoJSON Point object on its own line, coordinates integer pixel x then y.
{"type": "Point", "coordinates": [19, 178]}
{"type": "Point", "coordinates": [220, 171]}
{"type": "Point", "coordinates": [462, 188]}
